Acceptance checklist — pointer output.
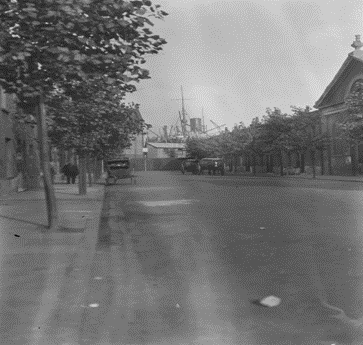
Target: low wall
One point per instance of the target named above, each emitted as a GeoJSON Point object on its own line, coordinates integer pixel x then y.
{"type": "Point", "coordinates": [155, 164]}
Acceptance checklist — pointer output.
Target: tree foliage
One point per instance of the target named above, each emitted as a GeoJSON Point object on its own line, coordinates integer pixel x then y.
{"type": "Point", "coordinates": [277, 133]}
{"type": "Point", "coordinates": [352, 124]}
{"type": "Point", "coordinates": [94, 126]}
{"type": "Point", "coordinates": [200, 147]}
{"type": "Point", "coordinates": [306, 134]}
{"type": "Point", "coordinates": [44, 43]}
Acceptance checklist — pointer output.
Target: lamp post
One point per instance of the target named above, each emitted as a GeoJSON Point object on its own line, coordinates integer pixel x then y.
{"type": "Point", "coordinates": [144, 149]}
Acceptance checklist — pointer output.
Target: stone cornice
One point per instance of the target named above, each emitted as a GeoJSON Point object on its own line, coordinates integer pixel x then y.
{"type": "Point", "coordinates": [333, 109]}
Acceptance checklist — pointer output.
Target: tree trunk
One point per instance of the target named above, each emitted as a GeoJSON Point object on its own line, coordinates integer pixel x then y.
{"type": "Point", "coordinates": [51, 202]}
{"type": "Point", "coordinates": [254, 165]}
{"type": "Point", "coordinates": [302, 163]}
{"type": "Point", "coordinates": [82, 175]}
{"type": "Point", "coordinates": [288, 162]}
{"type": "Point", "coordinates": [356, 158]}
{"type": "Point", "coordinates": [98, 168]}
{"type": "Point", "coordinates": [312, 154]}
{"type": "Point", "coordinates": [90, 170]}
{"type": "Point", "coordinates": [281, 164]}
{"type": "Point", "coordinates": [322, 162]}
{"type": "Point", "coordinates": [330, 167]}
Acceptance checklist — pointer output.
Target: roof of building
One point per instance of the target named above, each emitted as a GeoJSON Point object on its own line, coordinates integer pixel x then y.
{"type": "Point", "coordinates": [357, 54]}
{"type": "Point", "coordinates": [167, 145]}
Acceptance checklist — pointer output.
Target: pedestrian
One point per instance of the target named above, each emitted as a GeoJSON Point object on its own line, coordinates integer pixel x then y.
{"type": "Point", "coordinates": [71, 171]}
{"type": "Point", "coordinates": [74, 172]}
{"type": "Point", "coordinates": [52, 171]}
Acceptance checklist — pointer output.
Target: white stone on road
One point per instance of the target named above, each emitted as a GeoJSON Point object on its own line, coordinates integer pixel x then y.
{"type": "Point", "coordinates": [271, 301]}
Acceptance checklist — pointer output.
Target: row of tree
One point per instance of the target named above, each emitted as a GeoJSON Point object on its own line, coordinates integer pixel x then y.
{"type": "Point", "coordinates": [276, 133]}
{"type": "Point", "coordinates": [70, 63]}
{"type": "Point", "coordinates": [282, 134]}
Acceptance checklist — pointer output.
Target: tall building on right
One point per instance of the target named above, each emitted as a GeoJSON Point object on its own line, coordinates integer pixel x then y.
{"type": "Point", "coordinates": [342, 157]}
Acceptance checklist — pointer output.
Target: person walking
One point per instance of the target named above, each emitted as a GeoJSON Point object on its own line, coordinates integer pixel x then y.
{"type": "Point", "coordinates": [52, 171]}
{"type": "Point", "coordinates": [71, 171]}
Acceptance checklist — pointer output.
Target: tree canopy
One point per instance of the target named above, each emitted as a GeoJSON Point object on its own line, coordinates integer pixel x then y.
{"type": "Point", "coordinates": [352, 123]}
{"type": "Point", "coordinates": [45, 43]}
{"type": "Point", "coordinates": [94, 126]}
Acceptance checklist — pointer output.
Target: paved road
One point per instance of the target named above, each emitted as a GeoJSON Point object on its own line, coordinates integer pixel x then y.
{"type": "Point", "coordinates": [182, 260]}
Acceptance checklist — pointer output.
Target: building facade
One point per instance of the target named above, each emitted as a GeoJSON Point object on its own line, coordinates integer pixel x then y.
{"type": "Point", "coordinates": [19, 159]}
{"type": "Point", "coordinates": [166, 150]}
{"type": "Point", "coordinates": [342, 157]}
{"type": "Point", "coordinates": [136, 148]}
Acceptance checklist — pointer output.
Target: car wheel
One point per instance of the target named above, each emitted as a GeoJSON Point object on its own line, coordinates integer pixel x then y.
{"type": "Point", "coordinates": [209, 172]}
{"type": "Point", "coordinates": [222, 172]}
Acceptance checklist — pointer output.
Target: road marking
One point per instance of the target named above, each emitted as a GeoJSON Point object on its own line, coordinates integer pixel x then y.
{"type": "Point", "coordinates": [166, 202]}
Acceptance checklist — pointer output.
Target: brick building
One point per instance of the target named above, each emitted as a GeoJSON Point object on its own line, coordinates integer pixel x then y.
{"type": "Point", "coordinates": [339, 159]}
{"type": "Point", "coordinates": [19, 159]}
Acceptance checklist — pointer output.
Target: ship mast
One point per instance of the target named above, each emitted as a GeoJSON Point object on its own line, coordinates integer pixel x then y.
{"type": "Point", "coordinates": [184, 127]}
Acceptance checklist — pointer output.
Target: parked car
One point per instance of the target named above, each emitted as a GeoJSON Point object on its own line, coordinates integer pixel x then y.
{"type": "Point", "coordinates": [213, 165]}
{"type": "Point", "coordinates": [190, 165]}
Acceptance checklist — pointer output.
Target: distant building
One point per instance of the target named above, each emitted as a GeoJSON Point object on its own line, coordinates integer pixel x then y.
{"type": "Point", "coordinates": [166, 150]}
{"type": "Point", "coordinates": [139, 142]}
{"type": "Point", "coordinates": [136, 148]}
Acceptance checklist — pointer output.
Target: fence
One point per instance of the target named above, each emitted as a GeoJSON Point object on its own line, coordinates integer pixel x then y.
{"type": "Point", "coordinates": [155, 164]}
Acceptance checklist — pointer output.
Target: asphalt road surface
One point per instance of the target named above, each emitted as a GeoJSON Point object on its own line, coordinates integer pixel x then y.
{"type": "Point", "coordinates": [186, 259]}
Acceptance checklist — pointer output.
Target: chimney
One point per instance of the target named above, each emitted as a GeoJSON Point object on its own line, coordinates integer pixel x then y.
{"type": "Point", "coordinates": [357, 44]}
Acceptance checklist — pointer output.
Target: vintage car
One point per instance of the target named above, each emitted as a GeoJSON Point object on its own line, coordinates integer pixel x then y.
{"type": "Point", "coordinates": [117, 169]}
{"type": "Point", "coordinates": [190, 165]}
{"type": "Point", "coordinates": [213, 165]}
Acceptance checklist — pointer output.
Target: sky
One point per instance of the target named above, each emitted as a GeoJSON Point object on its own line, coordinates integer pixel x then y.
{"type": "Point", "coordinates": [234, 59]}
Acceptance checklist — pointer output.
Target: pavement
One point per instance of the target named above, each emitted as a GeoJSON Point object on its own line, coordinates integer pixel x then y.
{"type": "Point", "coordinates": [34, 262]}
{"type": "Point", "coordinates": [358, 178]}
{"type": "Point", "coordinates": [184, 259]}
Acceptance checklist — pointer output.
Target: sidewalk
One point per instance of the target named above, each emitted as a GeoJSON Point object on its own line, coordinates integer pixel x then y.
{"type": "Point", "coordinates": [44, 274]}
{"type": "Point", "coordinates": [358, 178]}
{"type": "Point", "coordinates": [28, 208]}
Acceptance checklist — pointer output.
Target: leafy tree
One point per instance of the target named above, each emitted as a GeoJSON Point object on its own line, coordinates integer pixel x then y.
{"type": "Point", "coordinates": [255, 146]}
{"type": "Point", "coordinates": [306, 133]}
{"type": "Point", "coordinates": [93, 125]}
{"type": "Point", "coordinates": [46, 44]}
{"type": "Point", "coordinates": [201, 147]}
{"type": "Point", "coordinates": [239, 139]}
{"type": "Point", "coordinates": [276, 134]}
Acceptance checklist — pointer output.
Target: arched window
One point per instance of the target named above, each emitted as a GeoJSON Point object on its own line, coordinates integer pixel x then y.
{"type": "Point", "coordinates": [355, 96]}
{"type": "Point", "coordinates": [357, 86]}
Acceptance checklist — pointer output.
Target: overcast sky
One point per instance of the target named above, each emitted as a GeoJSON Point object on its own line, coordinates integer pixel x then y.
{"type": "Point", "coordinates": [236, 58]}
